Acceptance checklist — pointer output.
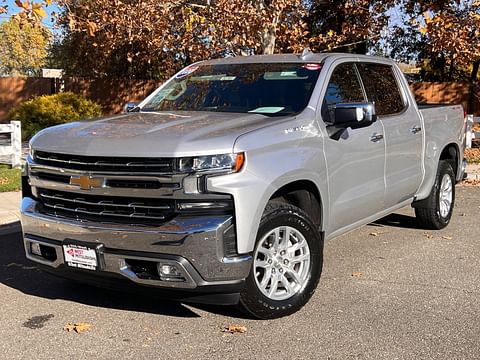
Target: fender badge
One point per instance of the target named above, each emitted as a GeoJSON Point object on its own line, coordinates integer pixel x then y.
{"type": "Point", "coordinates": [295, 129]}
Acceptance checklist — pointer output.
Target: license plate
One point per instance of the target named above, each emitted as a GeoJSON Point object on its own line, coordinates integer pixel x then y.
{"type": "Point", "coordinates": [80, 257]}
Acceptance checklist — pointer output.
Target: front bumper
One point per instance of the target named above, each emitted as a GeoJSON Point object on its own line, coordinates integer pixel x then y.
{"type": "Point", "coordinates": [193, 245]}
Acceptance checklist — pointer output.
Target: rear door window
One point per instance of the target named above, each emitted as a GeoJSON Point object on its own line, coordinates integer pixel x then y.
{"type": "Point", "coordinates": [382, 88]}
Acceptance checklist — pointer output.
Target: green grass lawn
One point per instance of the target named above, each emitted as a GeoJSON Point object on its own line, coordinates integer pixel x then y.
{"type": "Point", "coordinates": [10, 179]}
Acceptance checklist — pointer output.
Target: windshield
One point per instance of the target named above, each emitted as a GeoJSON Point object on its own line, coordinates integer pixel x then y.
{"type": "Point", "coordinates": [272, 89]}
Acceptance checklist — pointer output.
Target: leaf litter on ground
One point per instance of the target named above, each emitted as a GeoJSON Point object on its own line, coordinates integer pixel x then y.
{"type": "Point", "coordinates": [233, 329]}
{"type": "Point", "coordinates": [79, 327]}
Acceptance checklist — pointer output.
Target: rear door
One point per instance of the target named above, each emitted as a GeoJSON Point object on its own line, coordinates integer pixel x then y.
{"type": "Point", "coordinates": [402, 130]}
{"type": "Point", "coordinates": [356, 160]}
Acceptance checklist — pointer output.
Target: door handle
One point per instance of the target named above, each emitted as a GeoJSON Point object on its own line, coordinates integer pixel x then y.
{"type": "Point", "coordinates": [376, 137]}
{"type": "Point", "coordinates": [415, 129]}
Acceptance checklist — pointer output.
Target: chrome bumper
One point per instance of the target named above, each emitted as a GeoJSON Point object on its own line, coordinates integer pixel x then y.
{"type": "Point", "coordinates": [194, 245]}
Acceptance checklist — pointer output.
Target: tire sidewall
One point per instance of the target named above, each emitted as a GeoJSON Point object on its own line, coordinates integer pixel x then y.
{"type": "Point", "coordinates": [298, 220]}
{"type": "Point", "coordinates": [444, 169]}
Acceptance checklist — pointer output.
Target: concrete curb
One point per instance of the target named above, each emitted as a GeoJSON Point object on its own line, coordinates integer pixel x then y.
{"type": "Point", "coordinates": [11, 228]}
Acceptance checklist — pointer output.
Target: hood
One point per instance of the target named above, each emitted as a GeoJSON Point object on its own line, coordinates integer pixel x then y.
{"type": "Point", "coordinates": [158, 134]}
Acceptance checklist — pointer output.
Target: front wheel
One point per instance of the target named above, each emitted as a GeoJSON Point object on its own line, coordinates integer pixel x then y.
{"type": "Point", "coordinates": [435, 211]}
{"type": "Point", "coordinates": [287, 263]}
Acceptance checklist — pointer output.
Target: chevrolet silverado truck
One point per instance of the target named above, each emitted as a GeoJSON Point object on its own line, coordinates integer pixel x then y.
{"type": "Point", "coordinates": [223, 185]}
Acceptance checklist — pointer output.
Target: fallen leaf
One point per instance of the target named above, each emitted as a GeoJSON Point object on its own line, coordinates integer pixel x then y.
{"type": "Point", "coordinates": [447, 237]}
{"type": "Point", "coordinates": [91, 28]}
{"type": "Point", "coordinates": [235, 329]}
{"type": "Point", "coordinates": [472, 182]}
{"type": "Point", "coordinates": [77, 327]}
{"type": "Point", "coordinates": [357, 274]}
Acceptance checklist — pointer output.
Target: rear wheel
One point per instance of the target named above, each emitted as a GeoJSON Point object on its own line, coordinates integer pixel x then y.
{"type": "Point", "coordinates": [435, 211]}
{"type": "Point", "coordinates": [287, 263]}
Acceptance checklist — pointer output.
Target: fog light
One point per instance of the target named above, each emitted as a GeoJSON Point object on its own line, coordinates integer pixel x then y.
{"type": "Point", "coordinates": [169, 272]}
{"type": "Point", "coordinates": [35, 249]}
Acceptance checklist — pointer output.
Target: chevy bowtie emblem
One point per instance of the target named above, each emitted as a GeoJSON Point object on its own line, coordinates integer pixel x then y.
{"type": "Point", "coordinates": [87, 182]}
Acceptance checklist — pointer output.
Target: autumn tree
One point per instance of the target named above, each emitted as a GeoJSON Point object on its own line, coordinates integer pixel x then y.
{"type": "Point", "coordinates": [26, 10]}
{"type": "Point", "coordinates": [23, 48]}
{"type": "Point", "coordinates": [443, 35]}
{"type": "Point", "coordinates": [347, 25]}
{"type": "Point", "coordinates": [154, 39]}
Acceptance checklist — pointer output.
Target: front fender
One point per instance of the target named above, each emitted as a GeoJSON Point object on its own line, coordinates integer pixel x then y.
{"type": "Point", "coordinates": [268, 167]}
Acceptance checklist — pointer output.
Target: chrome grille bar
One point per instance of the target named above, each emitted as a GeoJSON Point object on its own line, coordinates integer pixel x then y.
{"type": "Point", "coordinates": [100, 163]}
{"type": "Point", "coordinates": [97, 163]}
{"type": "Point", "coordinates": [105, 213]}
{"type": "Point", "coordinates": [105, 203]}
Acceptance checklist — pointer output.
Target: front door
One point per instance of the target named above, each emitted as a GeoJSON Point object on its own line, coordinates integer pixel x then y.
{"type": "Point", "coordinates": [356, 160]}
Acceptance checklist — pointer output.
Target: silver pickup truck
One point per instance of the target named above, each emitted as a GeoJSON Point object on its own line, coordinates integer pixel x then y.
{"type": "Point", "coordinates": [223, 185]}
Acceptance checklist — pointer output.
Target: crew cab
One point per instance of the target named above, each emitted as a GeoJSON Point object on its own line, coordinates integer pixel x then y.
{"type": "Point", "coordinates": [223, 185]}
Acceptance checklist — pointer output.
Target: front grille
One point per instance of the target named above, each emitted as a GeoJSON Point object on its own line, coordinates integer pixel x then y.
{"type": "Point", "coordinates": [114, 183]}
{"type": "Point", "coordinates": [111, 164]}
{"type": "Point", "coordinates": [106, 208]}
{"type": "Point", "coordinates": [157, 197]}
{"type": "Point", "coordinates": [125, 210]}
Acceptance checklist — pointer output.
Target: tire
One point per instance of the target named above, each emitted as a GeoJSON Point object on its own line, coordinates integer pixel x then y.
{"type": "Point", "coordinates": [435, 211]}
{"type": "Point", "coordinates": [284, 274]}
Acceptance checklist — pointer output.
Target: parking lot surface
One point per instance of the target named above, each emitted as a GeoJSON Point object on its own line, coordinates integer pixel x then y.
{"type": "Point", "coordinates": [389, 290]}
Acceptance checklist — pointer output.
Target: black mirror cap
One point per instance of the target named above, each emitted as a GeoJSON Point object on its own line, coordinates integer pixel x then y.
{"type": "Point", "coordinates": [130, 106]}
{"type": "Point", "coordinates": [354, 114]}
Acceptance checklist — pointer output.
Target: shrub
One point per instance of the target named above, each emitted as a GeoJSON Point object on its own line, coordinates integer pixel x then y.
{"type": "Point", "coordinates": [48, 110]}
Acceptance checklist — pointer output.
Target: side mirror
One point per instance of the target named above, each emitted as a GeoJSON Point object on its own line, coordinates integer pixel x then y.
{"type": "Point", "coordinates": [129, 106]}
{"type": "Point", "coordinates": [354, 115]}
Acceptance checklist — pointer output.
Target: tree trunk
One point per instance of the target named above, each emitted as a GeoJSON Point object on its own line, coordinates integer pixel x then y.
{"type": "Point", "coordinates": [450, 71]}
{"type": "Point", "coordinates": [268, 40]}
{"type": "Point", "coordinates": [473, 80]}
{"type": "Point", "coordinates": [269, 33]}
{"type": "Point", "coordinates": [442, 63]}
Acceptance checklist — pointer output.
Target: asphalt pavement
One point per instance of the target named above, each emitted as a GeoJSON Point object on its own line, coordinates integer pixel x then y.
{"type": "Point", "coordinates": [389, 290]}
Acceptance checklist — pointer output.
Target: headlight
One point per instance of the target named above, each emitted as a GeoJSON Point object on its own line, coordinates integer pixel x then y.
{"type": "Point", "coordinates": [223, 162]}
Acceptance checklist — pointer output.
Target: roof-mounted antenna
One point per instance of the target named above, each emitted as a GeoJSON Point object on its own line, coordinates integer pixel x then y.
{"type": "Point", "coordinates": [305, 53]}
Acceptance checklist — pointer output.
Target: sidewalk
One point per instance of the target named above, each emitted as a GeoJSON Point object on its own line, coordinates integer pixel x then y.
{"type": "Point", "coordinates": [473, 172]}
{"type": "Point", "coordinates": [10, 212]}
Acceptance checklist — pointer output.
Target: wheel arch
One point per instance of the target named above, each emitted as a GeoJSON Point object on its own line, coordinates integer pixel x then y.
{"type": "Point", "coordinates": [305, 195]}
{"type": "Point", "coordinates": [451, 153]}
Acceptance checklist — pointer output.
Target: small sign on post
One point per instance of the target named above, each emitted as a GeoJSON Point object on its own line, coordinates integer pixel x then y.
{"type": "Point", "coordinates": [16, 137]}
{"type": "Point", "coordinates": [52, 73]}
{"type": "Point", "coordinates": [14, 150]}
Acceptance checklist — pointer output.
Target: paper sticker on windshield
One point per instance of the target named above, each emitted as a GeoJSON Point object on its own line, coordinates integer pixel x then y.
{"type": "Point", "coordinates": [267, 110]}
{"type": "Point", "coordinates": [312, 66]}
{"type": "Point", "coordinates": [187, 71]}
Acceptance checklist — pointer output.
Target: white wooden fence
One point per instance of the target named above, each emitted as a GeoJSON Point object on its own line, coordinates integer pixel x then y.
{"type": "Point", "coordinates": [470, 134]}
{"type": "Point", "coordinates": [14, 150]}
